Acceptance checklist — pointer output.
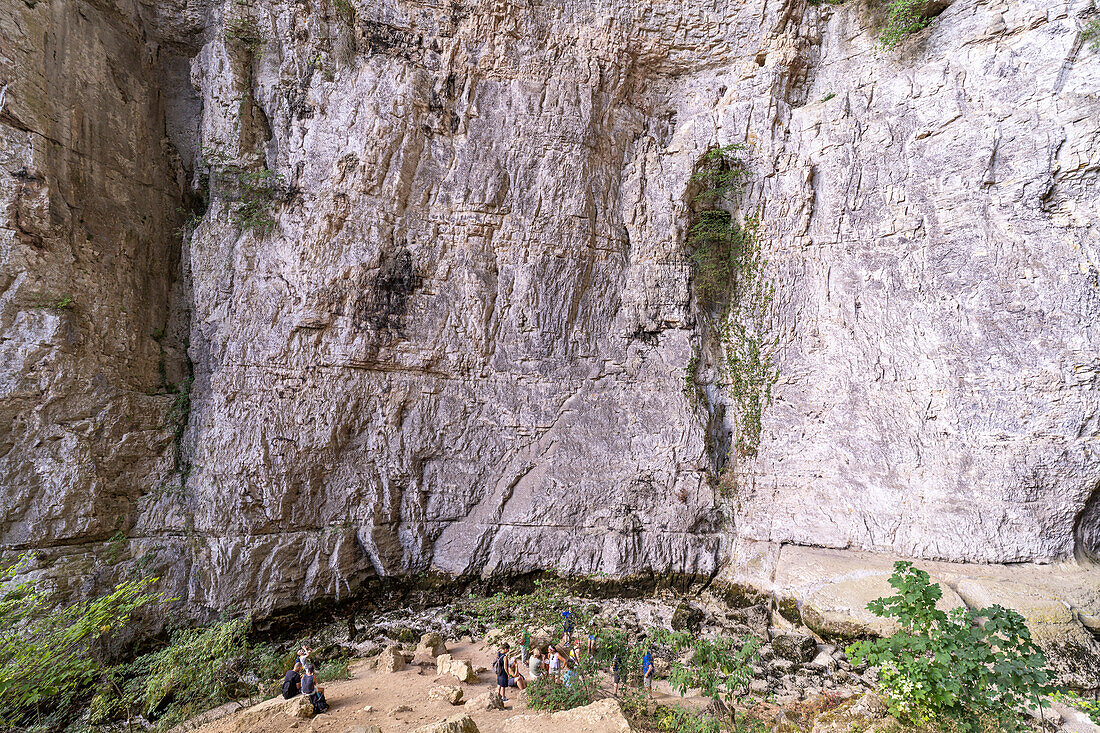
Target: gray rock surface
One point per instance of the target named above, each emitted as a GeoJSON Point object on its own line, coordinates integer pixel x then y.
{"type": "Point", "coordinates": [462, 346]}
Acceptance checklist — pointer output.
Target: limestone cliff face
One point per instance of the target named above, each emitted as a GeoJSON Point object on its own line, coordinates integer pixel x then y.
{"type": "Point", "coordinates": [462, 346]}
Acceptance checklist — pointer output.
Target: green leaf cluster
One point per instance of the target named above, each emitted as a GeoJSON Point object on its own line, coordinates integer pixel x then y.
{"type": "Point", "coordinates": [903, 18]}
{"type": "Point", "coordinates": [958, 667]}
{"type": "Point", "coordinates": [199, 669]}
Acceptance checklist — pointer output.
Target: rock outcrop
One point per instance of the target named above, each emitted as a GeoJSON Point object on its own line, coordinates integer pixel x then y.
{"type": "Point", "coordinates": [438, 308]}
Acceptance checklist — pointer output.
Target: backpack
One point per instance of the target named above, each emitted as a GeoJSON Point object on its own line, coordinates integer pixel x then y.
{"type": "Point", "coordinates": [498, 665]}
{"type": "Point", "coordinates": [289, 689]}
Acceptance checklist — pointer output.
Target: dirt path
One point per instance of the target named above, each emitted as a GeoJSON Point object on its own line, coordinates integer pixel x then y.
{"type": "Point", "coordinates": [390, 693]}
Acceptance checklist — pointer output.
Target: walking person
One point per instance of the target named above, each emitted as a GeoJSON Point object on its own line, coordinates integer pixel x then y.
{"type": "Point", "coordinates": [617, 671]}
{"type": "Point", "coordinates": [567, 627]}
{"type": "Point", "coordinates": [647, 671]}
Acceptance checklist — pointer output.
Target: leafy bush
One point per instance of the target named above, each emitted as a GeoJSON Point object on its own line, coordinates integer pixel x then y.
{"type": "Point", "coordinates": [48, 660]}
{"type": "Point", "coordinates": [903, 18]}
{"type": "Point", "coordinates": [719, 668]}
{"type": "Point", "coordinates": [546, 694]}
{"type": "Point", "coordinates": [199, 669]}
{"type": "Point", "coordinates": [961, 667]}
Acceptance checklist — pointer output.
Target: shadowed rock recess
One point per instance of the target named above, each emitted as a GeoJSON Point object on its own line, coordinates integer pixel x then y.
{"type": "Point", "coordinates": [451, 333]}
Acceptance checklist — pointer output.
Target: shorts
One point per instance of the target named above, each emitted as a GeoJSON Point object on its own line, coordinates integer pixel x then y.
{"type": "Point", "coordinates": [512, 682]}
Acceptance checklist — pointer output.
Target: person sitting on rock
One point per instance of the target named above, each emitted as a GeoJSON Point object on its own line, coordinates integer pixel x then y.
{"type": "Point", "coordinates": [570, 673]}
{"type": "Point", "coordinates": [534, 665]}
{"type": "Point", "coordinates": [292, 682]}
{"type": "Point", "coordinates": [515, 675]}
{"type": "Point", "coordinates": [310, 689]}
{"type": "Point", "coordinates": [500, 669]}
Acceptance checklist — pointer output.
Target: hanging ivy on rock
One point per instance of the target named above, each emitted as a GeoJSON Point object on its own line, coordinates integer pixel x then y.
{"type": "Point", "coordinates": [732, 290]}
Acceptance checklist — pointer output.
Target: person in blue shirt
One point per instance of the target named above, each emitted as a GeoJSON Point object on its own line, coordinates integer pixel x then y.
{"type": "Point", "coordinates": [647, 671]}
{"type": "Point", "coordinates": [567, 627]}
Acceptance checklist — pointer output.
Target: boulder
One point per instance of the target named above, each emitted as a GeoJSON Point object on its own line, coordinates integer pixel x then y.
{"type": "Point", "coordinates": [795, 647]}
{"type": "Point", "coordinates": [363, 729]}
{"type": "Point", "coordinates": [756, 618]}
{"type": "Point", "coordinates": [485, 701]}
{"type": "Point", "coordinates": [458, 724]}
{"type": "Point", "coordinates": [459, 668]}
{"type": "Point", "coordinates": [661, 668]}
{"type": "Point", "coordinates": [431, 644]}
{"type": "Point", "coordinates": [866, 714]}
{"type": "Point", "coordinates": [391, 660]}
{"type": "Point", "coordinates": [687, 617]}
{"type": "Point", "coordinates": [449, 693]}
{"type": "Point", "coordinates": [602, 716]}
{"type": "Point", "coordinates": [298, 706]}
{"type": "Point", "coordinates": [837, 611]}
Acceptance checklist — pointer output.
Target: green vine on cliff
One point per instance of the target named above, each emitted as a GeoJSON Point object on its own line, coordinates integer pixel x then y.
{"type": "Point", "coordinates": [733, 290]}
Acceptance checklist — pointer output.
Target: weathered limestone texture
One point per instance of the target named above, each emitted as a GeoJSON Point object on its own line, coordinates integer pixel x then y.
{"type": "Point", "coordinates": [89, 189]}
{"type": "Point", "coordinates": [462, 345]}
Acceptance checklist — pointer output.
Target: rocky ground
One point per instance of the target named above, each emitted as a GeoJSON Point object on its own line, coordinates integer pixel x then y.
{"type": "Point", "coordinates": [423, 672]}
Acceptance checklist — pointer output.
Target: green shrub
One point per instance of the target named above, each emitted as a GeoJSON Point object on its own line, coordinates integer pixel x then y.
{"type": "Point", "coordinates": [962, 667]}
{"type": "Point", "coordinates": [731, 287]}
{"type": "Point", "coordinates": [545, 694]}
{"type": "Point", "coordinates": [49, 653]}
{"type": "Point", "coordinates": [903, 18]}
{"type": "Point", "coordinates": [719, 668]}
{"type": "Point", "coordinates": [333, 669]}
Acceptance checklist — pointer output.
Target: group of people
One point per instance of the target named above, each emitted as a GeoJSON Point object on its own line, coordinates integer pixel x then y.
{"type": "Point", "coordinates": [559, 663]}
{"type": "Point", "coordinates": [302, 680]}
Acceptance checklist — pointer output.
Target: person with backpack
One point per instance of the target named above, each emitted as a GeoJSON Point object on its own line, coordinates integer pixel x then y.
{"type": "Point", "coordinates": [292, 682]}
{"type": "Point", "coordinates": [315, 694]}
{"type": "Point", "coordinates": [500, 669]}
{"type": "Point", "coordinates": [647, 671]}
{"type": "Point", "coordinates": [617, 671]}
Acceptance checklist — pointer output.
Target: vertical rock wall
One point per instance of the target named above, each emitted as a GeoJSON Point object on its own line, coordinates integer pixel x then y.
{"type": "Point", "coordinates": [89, 189]}
{"type": "Point", "coordinates": [463, 345]}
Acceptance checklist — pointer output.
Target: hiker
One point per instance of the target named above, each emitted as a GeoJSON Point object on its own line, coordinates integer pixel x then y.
{"type": "Point", "coordinates": [647, 671]}
{"type": "Point", "coordinates": [617, 671]}
{"type": "Point", "coordinates": [292, 682]}
{"type": "Point", "coordinates": [567, 627]}
{"type": "Point", "coordinates": [303, 655]}
{"type": "Point", "coordinates": [534, 664]}
{"type": "Point", "coordinates": [315, 694]}
{"type": "Point", "coordinates": [500, 668]}
{"type": "Point", "coordinates": [591, 645]}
